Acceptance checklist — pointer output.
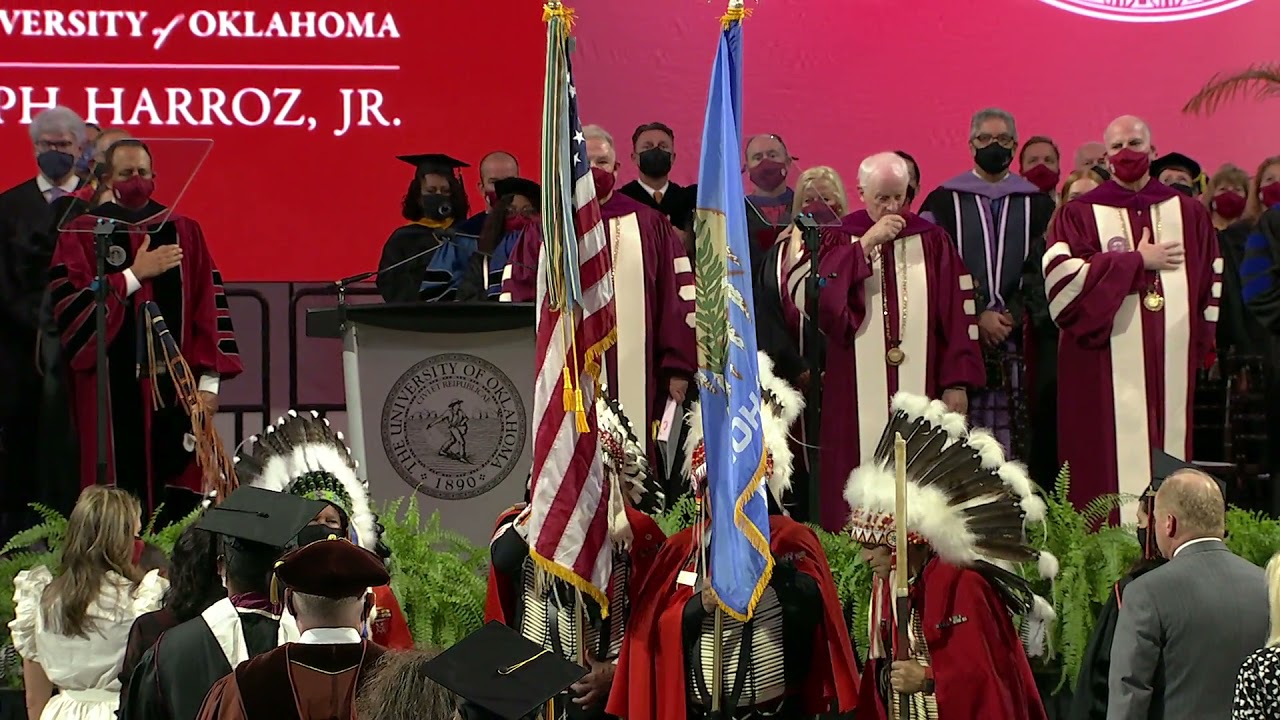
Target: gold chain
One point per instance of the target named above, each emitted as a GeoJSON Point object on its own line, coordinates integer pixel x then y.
{"type": "Point", "coordinates": [894, 355]}
{"type": "Point", "coordinates": [1153, 300]}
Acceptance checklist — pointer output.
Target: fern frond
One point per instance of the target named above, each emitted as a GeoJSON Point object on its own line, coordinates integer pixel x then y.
{"type": "Point", "coordinates": [1263, 81]}
{"type": "Point", "coordinates": [1099, 509]}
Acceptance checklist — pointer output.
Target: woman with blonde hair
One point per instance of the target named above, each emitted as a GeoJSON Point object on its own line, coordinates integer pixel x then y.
{"type": "Point", "coordinates": [1258, 682]}
{"type": "Point", "coordinates": [1264, 193]}
{"type": "Point", "coordinates": [820, 194]}
{"type": "Point", "coordinates": [71, 627]}
{"type": "Point", "coordinates": [1227, 196]}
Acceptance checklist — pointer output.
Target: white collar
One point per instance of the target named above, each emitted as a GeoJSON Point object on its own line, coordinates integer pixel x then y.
{"type": "Point", "coordinates": [652, 191]}
{"type": "Point", "coordinates": [330, 636]}
{"type": "Point", "coordinates": [45, 184]}
{"type": "Point", "coordinates": [1189, 543]}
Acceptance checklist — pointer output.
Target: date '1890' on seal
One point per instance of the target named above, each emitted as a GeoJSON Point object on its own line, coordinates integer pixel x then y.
{"type": "Point", "coordinates": [454, 426]}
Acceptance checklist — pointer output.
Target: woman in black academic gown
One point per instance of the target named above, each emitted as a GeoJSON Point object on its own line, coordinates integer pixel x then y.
{"type": "Point", "coordinates": [433, 204]}
{"type": "Point", "coordinates": [517, 207]}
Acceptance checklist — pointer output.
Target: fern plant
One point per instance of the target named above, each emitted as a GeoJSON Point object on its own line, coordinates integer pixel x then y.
{"type": "Point", "coordinates": [683, 513]}
{"type": "Point", "coordinates": [1252, 535]}
{"type": "Point", "coordinates": [437, 575]}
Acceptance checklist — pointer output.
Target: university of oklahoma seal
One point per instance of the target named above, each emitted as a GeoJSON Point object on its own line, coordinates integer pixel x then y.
{"type": "Point", "coordinates": [453, 426]}
{"type": "Point", "coordinates": [1146, 11]}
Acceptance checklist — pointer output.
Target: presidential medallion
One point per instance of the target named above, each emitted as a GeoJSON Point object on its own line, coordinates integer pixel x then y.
{"type": "Point", "coordinates": [1154, 301]}
{"type": "Point", "coordinates": [895, 356]}
{"type": "Point", "coordinates": [116, 256]}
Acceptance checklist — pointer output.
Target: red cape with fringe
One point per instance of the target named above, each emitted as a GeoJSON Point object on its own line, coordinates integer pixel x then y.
{"type": "Point", "coordinates": [650, 682]}
{"type": "Point", "coordinates": [501, 600]}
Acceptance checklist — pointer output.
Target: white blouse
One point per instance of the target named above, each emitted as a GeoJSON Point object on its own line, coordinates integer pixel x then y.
{"type": "Point", "coordinates": [85, 670]}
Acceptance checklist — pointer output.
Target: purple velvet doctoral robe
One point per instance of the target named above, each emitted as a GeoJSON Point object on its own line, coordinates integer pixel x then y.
{"type": "Point", "coordinates": [917, 295]}
{"type": "Point", "coordinates": [653, 286]}
{"type": "Point", "coordinates": [999, 229]}
{"type": "Point", "coordinates": [1126, 374]}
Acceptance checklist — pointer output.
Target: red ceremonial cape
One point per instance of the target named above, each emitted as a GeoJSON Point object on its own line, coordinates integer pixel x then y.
{"type": "Point", "coordinates": [500, 602]}
{"type": "Point", "coordinates": [650, 680]}
{"type": "Point", "coordinates": [205, 335]}
{"type": "Point", "coordinates": [980, 669]}
{"type": "Point", "coordinates": [389, 629]}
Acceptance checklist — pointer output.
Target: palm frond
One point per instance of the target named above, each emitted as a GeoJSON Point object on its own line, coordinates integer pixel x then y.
{"type": "Point", "coordinates": [1263, 81]}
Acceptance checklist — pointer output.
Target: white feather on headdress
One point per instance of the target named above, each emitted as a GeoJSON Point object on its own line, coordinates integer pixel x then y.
{"type": "Point", "coordinates": [782, 406]}
{"type": "Point", "coordinates": [300, 444]}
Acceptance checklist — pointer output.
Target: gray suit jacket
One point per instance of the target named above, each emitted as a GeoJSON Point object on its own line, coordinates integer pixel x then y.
{"type": "Point", "coordinates": [1184, 630]}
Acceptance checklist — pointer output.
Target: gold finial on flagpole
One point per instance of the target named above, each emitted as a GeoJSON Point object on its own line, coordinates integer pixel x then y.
{"type": "Point", "coordinates": [556, 9]}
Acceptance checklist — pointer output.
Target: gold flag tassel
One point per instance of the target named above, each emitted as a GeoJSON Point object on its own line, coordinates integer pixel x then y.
{"type": "Point", "coordinates": [211, 456]}
{"type": "Point", "coordinates": [735, 13]}
{"type": "Point", "coordinates": [556, 10]}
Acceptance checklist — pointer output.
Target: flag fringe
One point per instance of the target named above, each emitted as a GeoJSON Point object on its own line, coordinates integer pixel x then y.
{"type": "Point", "coordinates": [757, 540]}
{"type": "Point", "coordinates": [563, 573]}
{"type": "Point", "coordinates": [735, 14]}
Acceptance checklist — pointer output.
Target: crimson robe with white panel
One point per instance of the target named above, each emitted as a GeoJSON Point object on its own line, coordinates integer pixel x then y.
{"type": "Point", "coordinates": [914, 294]}
{"type": "Point", "coordinates": [1132, 339]}
{"type": "Point", "coordinates": [653, 292]}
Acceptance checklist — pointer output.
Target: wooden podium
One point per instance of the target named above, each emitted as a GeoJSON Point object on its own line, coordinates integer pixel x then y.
{"type": "Point", "coordinates": [439, 402]}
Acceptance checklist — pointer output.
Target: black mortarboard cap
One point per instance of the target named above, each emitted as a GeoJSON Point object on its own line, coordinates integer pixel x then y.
{"type": "Point", "coordinates": [519, 186]}
{"type": "Point", "coordinates": [1163, 465]}
{"type": "Point", "coordinates": [500, 670]}
{"type": "Point", "coordinates": [432, 160]}
{"type": "Point", "coordinates": [261, 516]}
{"type": "Point", "coordinates": [1175, 160]}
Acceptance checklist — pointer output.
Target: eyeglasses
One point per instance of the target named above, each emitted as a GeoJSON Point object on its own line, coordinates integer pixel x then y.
{"type": "Point", "coordinates": [1003, 139]}
{"type": "Point", "coordinates": [59, 145]}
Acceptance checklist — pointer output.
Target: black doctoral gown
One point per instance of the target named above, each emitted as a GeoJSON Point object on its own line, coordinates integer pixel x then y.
{"type": "Point", "coordinates": [434, 277]}
{"type": "Point", "coordinates": [174, 676]}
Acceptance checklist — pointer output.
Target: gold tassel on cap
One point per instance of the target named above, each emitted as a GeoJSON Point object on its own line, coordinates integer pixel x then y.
{"type": "Point", "coordinates": [275, 583]}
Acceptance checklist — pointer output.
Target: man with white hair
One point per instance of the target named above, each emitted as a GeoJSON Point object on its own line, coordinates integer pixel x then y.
{"type": "Point", "coordinates": [655, 357]}
{"type": "Point", "coordinates": [998, 220]}
{"type": "Point", "coordinates": [28, 224]}
{"type": "Point", "coordinates": [897, 311]}
{"type": "Point", "coordinates": [1133, 278]}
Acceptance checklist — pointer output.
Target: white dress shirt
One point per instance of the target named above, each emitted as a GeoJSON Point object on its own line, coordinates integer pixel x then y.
{"type": "Point", "coordinates": [46, 185]}
{"type": "Point", "coordinates": [653, 191]}
{"type": "Point", "coordinates": [1189, 543]}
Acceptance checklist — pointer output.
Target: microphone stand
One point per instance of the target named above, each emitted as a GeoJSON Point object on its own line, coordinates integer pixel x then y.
{"type": "Point", "coordinates": [347, 282]}
{"type": "Point", "coordinates": [811, 235]}
{"type": "Point", "coordinates": [102, 233]}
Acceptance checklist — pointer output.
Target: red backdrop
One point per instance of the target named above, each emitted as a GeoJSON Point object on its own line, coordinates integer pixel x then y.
{"type": "Point", "coordinates": [283, 199]}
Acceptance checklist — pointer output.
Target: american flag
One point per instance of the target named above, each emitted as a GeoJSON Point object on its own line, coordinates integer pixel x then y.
{"type": "Point", "coordinates": [569, 509]}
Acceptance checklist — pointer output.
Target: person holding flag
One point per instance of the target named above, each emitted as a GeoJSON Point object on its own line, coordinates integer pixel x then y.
{"type": "Point", "coordinates": [794, 659]}
{"type": "Point", "coordinates": [576, 527]}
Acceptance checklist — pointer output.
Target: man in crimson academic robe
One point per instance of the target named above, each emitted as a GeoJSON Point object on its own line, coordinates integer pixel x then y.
{"type": "Point", "coordinates": [799, 661]}
{"type": "Point", "coordinates": [152, 257]}
{"type": "Point", "coordinates": [997, 220]}
{"type": "Point", "coordinates": [1133, 277]}
{"type": "Point", "coordinates": [317, 677]}
{"type": "Point", "coordinates": [543, 612]}
{"type": "Point", "coordinates": [655, 357]}
{"type": "Point", "coordinates": [898, 315]}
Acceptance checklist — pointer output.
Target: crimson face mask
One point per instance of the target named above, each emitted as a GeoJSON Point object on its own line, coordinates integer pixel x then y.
{"type": "Point", "coordinates": [134, 192]}
{"type": "Point", "coordinates": [822, 213]}
{"type": "Point", "coordinates": [516, 222]}
{"type": "Point", "coordinates": [1129, 165]}
{"type": "Point", "coordinates": [768, 175]}
{"type": "Point", "coordinates": [1042, 177]}
{"type": "Point", "coordinates": [1229, 205]}
{"type": "Point", "coordinates": [604, 182]}
{"type": "Point", "coordinates": [1270, 194]}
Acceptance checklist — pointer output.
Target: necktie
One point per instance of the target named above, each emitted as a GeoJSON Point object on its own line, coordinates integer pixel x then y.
{"type": "Point", "coordinates": [55, 193]}
{"type": "Point", "coordinates": [657, 196]}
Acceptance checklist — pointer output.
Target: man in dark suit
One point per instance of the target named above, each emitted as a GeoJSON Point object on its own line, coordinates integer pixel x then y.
{"type": "Point", "coordinates": [653, 151]}
{"type": "Point", "coordinates": [1185, 627]}
{"type": "Point", "coordinates": [28, 231]}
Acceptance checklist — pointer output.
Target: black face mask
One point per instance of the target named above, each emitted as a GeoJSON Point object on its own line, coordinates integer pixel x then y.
{"type": "Point", "coordinates": [437, 207]}
{"type": "Point", "coordinates": [655, 162]}
{"type": "Point", "coordinates": [55, 164]}
{"type": "Point", "coordinates": [1184, 189]}
{"type": "Point", "coordinates": [994, 158]}
{"type": "Point", "coordinates": [1142, 540]}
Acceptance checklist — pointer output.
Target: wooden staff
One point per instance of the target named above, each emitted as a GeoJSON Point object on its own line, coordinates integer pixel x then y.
{"type": "Point", "coordinates": [902, 596]}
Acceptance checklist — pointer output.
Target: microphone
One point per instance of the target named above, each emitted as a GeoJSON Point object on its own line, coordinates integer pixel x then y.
{"type": "Point", "coordinates": [346, 282]}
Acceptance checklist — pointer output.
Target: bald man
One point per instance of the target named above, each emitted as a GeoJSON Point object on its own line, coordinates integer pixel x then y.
{"type": "Point", "coordinates": [497, 165]}
{"type": "Point", "coordinates": [1133, 278]}
{"type": "Point", "coordinates": [1091, 154]}
{"type": "Point", "coordinates": [1185, 628]}
{"type": "Point", "coordinates": [897, 311]}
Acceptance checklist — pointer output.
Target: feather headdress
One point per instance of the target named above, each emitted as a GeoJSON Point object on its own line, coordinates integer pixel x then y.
{"type": "Point", "coordinates": [625, 460]}
{"type": "Point", "coordinates": [302, 455]}
{"type": "Point", "coordinates": [964, 500]}
{"type": "Point", "coordinates": [782, 405]}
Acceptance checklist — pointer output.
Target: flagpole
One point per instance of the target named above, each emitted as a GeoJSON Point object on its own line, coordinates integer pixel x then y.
{"type": "Point", "coordinates": [902, 592]}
